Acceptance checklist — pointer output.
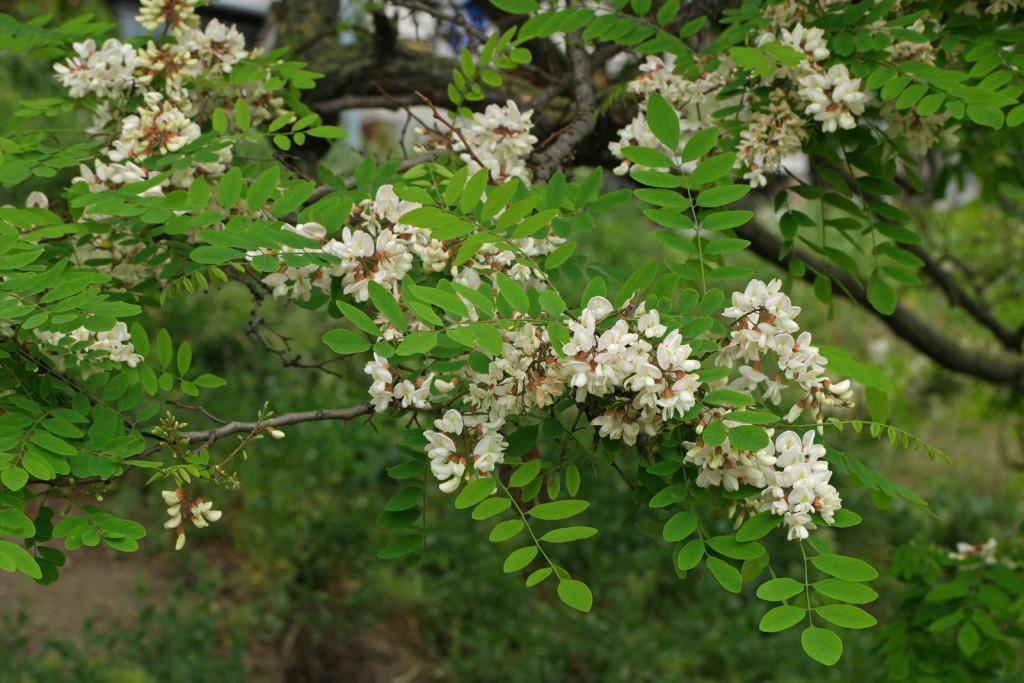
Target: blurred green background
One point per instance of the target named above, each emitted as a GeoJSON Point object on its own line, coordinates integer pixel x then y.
{"type": "Point", "coordinates": [288, 587]}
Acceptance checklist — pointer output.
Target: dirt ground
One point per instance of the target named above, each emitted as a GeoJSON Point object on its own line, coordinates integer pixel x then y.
{"type": "Point", "coordinates": [103, 585]}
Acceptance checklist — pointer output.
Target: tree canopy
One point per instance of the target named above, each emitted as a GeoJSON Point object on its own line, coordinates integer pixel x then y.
{"type": "Point", "coordinates": [828, 140]}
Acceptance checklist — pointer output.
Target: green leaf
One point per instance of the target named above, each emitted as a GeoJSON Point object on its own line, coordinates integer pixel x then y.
{"type": "Point", "coordinates": [516, 6]}
{"type": "Point", "coordinates": [690, 555]}
{"type": "Point", "coordinates": [645, 156]}
{"type": "Point", "coordinates": [405, 499]}
{"type": "Point", "coordinates": [417, 343]}
{"type": "Point", "coordinates": [731, 548]}
{"type": "Point", "coordinates": [559, 255]}
{"type": "Point", "coordinates": [968, 639]}
{"type": "Point", "coordinates": [881, 295]}
{"type": "Point", "coordinates": [490, 507]}
{"type": "Point", "coordinates": [715, 433]}
{"type": "Point", "coordinates": [506, 530]}
{"type": "Point", "coordinates": [844, 567]}
{"type": "Point", "coordinates": [519, 558]}
{"type": "Point", "coordinates": [777, 590]}
{"type": "Point", "coordinates": [821, 645]}
{"type": "Point", "coordinates": [728, 577]}
{"type": "Point", "coordinates": [219, 120]}
{"type": "Point", "coordinates": [525, 473]}
{"type": "Point", "coordinates": [243, 119]}
{"type": "Point", "coordinates": [262, 187]}
{"type": "Point", "coordinates": [663, 120]}
{"type": "Point", "coordinates": [729, 398]}
{"type": "Point", "coordinates": [551, 302]}
{"type": "Point", "coordinates": [720, 196]}
{"type": "Point", "coordinates": [572, 479]}
{"type": "Point", "coordinates": [475, 491]}
{"type": "Point", "coordinates": [569, 534]}
{"type": "Point", "coordinates": [985, 115]}
{"type": "Point", "coordinates": [668, 495]}
{"type": "Point", "coordinates": [14, 478]}
{"type": "Point", "coordinates": [846, 616]}
{"type": "Point", "coordinates": [229, 188]}
{"type": "Point", "coordinates": [727, 245]}
{"type": "Point", "coordinates": [513, 293]}
{"type": "Point", "coordinates": [344, 342]}
{"type": "Point", "coordinates": [702, 142]}
{"type": "Point", "coordinates": [208, 381]}
{"type": "Point", "coordinates": [668, 12]}
{"type": "Point", "coordinates": [679, 526]}
{"type": "Point", "coordinates": [326, 132]}
{"type": "Point", "coordinates": [184, 359]}
{"type": "Point", "coordinates": [748, 438]}
{"type": "Point", "coordinates": [758, 526]}
{"type": "Point", "coordinates": [165, 349]}
{"type": "Point", "coordinates": [19, 557]}
{"type": "Point", "coordinates": [846, 591]}
{"type": "Point", "coordinates": [575, 594]}
{"type": "Point", "coordinates": [53, 444]}
{"type": "Point", "coordinates": [639, 280]}
{"type": "Point", "coordinates": [753, 417]}
{"type": "Point", "coordinates": [537, 576]}
{"type": "Point", "coordinates": [214, 254]}
{"type": "Point", "coordinates": [358, 318]}
{"type": "Point", "coordinates": [561, 509]}
{"type": "Point", "coordinates": [386, 303]}
{"type": "Point", "coordinates": [400, 547]}
{"type": "Point", "coordinates": [846, 518]}
{"type": "Point", "coordinates": [713, 169]}
{"type": "Point", "coordinates": [38, 466]}
{"type": "Point", "coordinates": [780, 618]}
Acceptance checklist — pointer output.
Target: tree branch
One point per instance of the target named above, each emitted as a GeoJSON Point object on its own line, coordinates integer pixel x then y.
{"type": "Point", "coordinates": [905, 324]}
{"type": "Point", "coordinates": [549, 159]}
{"type": "Point", "coordinates": [958, 297]}
{"type": "Point", "coordinates": [209, 436]}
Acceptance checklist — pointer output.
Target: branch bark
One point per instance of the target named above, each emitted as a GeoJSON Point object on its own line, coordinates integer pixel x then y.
{"type": "Point", "coordinates": [958, 297]}
{"type": "Point", "coordinates": [934, 343]}
{"type": "Point", "coordinates": [549, 159]}
{"type": "Point", "coordinates": [209, 436]}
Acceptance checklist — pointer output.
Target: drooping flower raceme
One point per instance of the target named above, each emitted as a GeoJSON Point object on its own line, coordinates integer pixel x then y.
{"type": "Point", "coordinates": [499, 138]}
{"type": "Point", "coordinates": [181, 510]}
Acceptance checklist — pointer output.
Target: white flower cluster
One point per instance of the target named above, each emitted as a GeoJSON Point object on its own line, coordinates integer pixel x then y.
{"type": "Point", "coordinates": [770, 137]}
{"type": "Point", "coordinates": [833, 98]}
{"type": "Point", "coordinates": [830, 96]}
{"type": "Point", "coordinates": [807, 91]}
{"type": "Point", "coordinates": [909, 50]}
{"type": "Point", "coordinates": [643, 383]}
{"type": "Point", "coordinates": [498, 139]}
{"type": "Point", "coordinates": [388, 387]}
{"type": "Point", "coordinates": [176, 15]}
{"type": "Point", "coordinates": [377, 247]}
{"type": "Point", "coordinates": [790, 471]}
{"type": "Point", "coordinates": [180, 510]}
{"type": "Point", "coordinates": [920, 133]}
{"type": "Point", "coordinates": [172, 80]}
{"type": "Point", "coordinates": [460, 439]}
{"type": "Point", "coordinates": [985, 551]}
{"type": "Point", "coordinates": [764, 329]}
{"type": "Point", "coordinates": [115, 343]}
{"type": "Point", "coordinates": [106, 72]}
{"type": "Point", "coordinates": [157, 128]}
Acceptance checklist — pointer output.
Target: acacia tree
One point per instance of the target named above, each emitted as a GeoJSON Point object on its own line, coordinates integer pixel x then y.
{"type": "Point", "coordinates": [817, 135]}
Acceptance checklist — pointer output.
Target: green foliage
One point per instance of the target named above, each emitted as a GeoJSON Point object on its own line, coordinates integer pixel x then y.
{"type": "Point", "coordinates": [74, 414]}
